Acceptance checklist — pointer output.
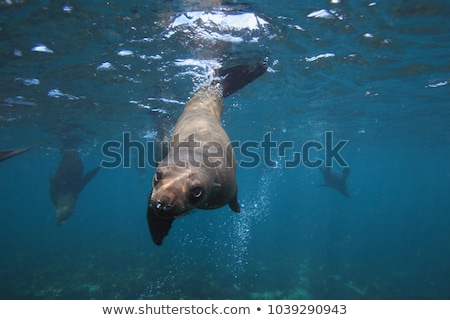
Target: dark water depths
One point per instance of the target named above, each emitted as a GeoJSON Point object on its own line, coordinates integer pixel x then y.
{"type": "Point", "coordinates": [376, 74]}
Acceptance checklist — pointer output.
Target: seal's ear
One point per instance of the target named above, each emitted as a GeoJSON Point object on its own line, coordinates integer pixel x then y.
{"type": "Point", "coordinates": [159, 227]}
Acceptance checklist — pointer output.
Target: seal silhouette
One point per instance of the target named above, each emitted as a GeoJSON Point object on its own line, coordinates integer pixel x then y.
{"type": "Point", "coordinates": [336, 180]}
{"type": "Point", "coordinates": [68, 182]}
{"type": "Point", "coordinates": [199, 170]}
{"type": "Point", "coordinates": [6, 154]}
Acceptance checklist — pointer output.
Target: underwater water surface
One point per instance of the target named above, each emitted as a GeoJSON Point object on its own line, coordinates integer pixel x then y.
{"type": "Point", "coordinates": [375, 74]}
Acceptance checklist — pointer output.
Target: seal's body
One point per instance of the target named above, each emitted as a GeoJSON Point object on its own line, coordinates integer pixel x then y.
{"type": "Point", "coordinates": [67, 184]}
{"type": "Point", "coordinates": [199, 171]}
{"type": "Point", "coordinates": [200, 168]}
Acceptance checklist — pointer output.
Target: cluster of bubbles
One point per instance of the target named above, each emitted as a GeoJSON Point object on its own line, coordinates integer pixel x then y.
{"type": "Point", "coordinates": [255, 208]}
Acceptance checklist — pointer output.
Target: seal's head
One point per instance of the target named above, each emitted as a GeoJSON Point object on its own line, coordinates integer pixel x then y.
{"type": "Point", "coordinates": [177, 190]}
{"type": "Point", "coordinates": [64, 209]}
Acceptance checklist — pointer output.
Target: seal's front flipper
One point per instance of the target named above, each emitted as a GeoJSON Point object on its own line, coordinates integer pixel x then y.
{"type": "Point", "coordinates": [237, 77]}
{"type": "Point", "coordinates": [159, 227]}
{"type": "Point", "coordinates": [345, 172]}
{"type": "Point", "coordinates": [88, 177]}
{"type": "Point", "coordinates": [5, 154]}
{"type": "Point", "coordinates": [326, 171]}
{"type": "Point", "coordinates": [234, 205]}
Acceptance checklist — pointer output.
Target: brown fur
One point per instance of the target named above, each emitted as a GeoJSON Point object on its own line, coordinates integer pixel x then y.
{"type": "Point", "coordinates": [186, 167]}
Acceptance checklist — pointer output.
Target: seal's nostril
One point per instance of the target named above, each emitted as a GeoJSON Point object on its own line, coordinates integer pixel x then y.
{"type": "Point", "coordinates": [163, 204]}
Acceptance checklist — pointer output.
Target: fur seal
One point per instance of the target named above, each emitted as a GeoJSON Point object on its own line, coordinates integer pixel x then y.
{"type": "Point", "coordinates": [5, 154]}
{"type": "Point", "coordinates": [336, 180]}
{"type": "Point", "coordinates": [199, 170]}
{"type": "Point", "coordinates": [67, 184]}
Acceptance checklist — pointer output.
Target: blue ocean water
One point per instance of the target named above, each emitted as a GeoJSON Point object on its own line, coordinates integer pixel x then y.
{"type": "Point", "coordinates": [375, 74]}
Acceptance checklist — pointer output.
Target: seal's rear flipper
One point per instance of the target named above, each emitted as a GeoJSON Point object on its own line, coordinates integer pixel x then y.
{"type": "Point", "coordinates": [159, 228]}
{"type": "Point", "coordinates": [237, 77]}
{"type": "Point", "coordinates": [5, 154]}
{"type": "Point", "coordinates": [70, 143]}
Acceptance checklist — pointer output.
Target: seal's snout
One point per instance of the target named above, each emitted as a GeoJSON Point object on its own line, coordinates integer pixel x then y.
{"type": "Point", "coordinates": [163, 204]}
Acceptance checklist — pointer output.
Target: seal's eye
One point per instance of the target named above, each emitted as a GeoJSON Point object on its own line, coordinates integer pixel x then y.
{"type": "Point", "coordinates": [197, 192]}
{"type": "Point", "coordinates": [157, 176]}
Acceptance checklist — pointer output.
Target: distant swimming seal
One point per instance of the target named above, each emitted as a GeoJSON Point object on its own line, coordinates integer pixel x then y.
{"type": "Point", "coordinates": [199, 170]}
{"type": "Point", "coordinates": [67, 184]}
{"type": "Point", "coordinates": [336, 180]}
{"type": "Point", "coordinates": [6, 154]}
